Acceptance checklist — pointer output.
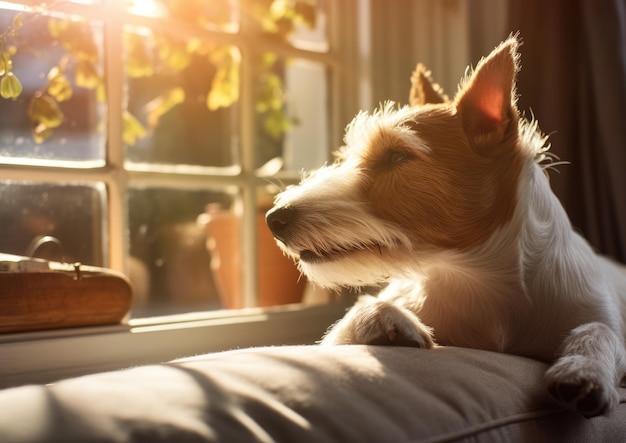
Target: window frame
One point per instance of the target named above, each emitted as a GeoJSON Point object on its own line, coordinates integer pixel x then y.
{"type": "Point", "coordinates": [45, 356]}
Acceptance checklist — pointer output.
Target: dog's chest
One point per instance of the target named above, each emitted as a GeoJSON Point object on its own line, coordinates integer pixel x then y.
{"type": "Point", "coordinates": [468, 326]}
{"type": "Point", "coordinates": [476, 317]}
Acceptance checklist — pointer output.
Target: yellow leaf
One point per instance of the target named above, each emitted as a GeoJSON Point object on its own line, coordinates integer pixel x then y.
{"type": "Point", "coordinates": [175, 54]}
{"type": "Point", "coordinates": [132, 128]}
{"type": "Point", "coordinates": [43, 109]}
{"type": "Point", "coordinates": [3, 64]}
{"type": "Point", "coordinates": [161, 105]}
{"type": "Point", "coordinates": [276, 124]}
{"type": "Point", "coordinates": [306, 12]}
{"type": "Point", "coordinates": [76, 36]}
{"type": "Point", "coordinates": [56, 27]}
{"type": "Point", "coordinates": [86, 75]}
{"type": "Point", "coordinates": [59, 86]}
{"type": "Point", "coordinates": [41, 132]}
{"type": "Point", "coordinates": [17, 21]}
{"type": "Point", "coordinates": [225, 87]}
{"type": "Point", "coordinates": [138, 62]}
{"type": "Point", "coordinates": [10, 86]}
{"type": "Point", "coordinates": [101, 92]}
{"type": "Point", "coordinates": [279, 9]}
{"type": "Point", "coordinates": [268, 59]}
{"type": "Point", "coordinates": [6, 64]}
{"type": "Point", "coordinates": [54, 72]}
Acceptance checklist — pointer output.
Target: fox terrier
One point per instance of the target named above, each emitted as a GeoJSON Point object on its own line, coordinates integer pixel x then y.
{"type": "Point", "coordinates": [448, 203]}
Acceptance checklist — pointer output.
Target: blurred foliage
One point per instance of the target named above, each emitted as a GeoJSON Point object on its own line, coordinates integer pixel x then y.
{"type": "Point", "coordinates": [80, 65]}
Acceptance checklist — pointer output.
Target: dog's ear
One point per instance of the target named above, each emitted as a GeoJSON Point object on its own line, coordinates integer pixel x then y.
{"type": "Point", "coordinates": [486, 101]}
{"type": "Point", "coordinates": [423, 89]}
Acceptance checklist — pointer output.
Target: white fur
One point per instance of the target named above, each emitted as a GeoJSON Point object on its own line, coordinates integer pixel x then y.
{"type": "Point", "coordinates": [336, 221]}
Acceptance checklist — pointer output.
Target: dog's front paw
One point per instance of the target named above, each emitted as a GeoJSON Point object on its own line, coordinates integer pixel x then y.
{"type": "Point", "coordinates": [581, 384]}
{"type": "Point", "coordinates": [375, 322]}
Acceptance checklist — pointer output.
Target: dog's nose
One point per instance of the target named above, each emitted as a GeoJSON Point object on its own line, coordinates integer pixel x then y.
{"type": "Point", "coordinates": [278, 219]}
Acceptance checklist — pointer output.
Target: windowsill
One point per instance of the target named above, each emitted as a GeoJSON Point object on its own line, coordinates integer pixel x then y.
{"type": "Point", "coordinates": [47, 356]}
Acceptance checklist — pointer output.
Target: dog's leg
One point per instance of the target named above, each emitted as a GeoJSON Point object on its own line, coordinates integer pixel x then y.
{"type": "Point", "coordinates": [592, 363]}
{"type": "Point", "coordinates": [379, 322]}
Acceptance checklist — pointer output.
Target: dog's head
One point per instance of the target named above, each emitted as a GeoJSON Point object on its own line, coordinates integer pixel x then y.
{"type": "Point", "coordinates": [410, 181]}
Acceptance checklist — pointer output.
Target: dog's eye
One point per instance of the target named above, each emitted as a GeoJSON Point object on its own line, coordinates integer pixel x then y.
{"type": "Point", "coordinates": [396, 157]}
{"type": "Point", "coordinates": [392, 158]}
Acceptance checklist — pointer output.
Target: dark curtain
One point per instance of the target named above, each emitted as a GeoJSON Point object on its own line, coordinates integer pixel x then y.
{"type": "Point", "coordinates": [573, 79]}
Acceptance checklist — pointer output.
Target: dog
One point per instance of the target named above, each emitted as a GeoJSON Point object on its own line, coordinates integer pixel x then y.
{"type": "Point", "coordinates": [447, 202]}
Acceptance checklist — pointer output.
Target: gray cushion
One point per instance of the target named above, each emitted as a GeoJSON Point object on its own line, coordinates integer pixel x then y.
{"type": "Point", "coordinates": [307, 394]}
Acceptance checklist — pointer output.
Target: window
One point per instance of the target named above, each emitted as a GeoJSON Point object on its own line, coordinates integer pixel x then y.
{"type": "Point", "coordinates": [149, 137]}
{"type": "Point", "coordinates": [141, 125]}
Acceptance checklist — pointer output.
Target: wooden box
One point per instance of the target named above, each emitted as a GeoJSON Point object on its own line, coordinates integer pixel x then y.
{"type": "Point", "coordinates": [61, 296]}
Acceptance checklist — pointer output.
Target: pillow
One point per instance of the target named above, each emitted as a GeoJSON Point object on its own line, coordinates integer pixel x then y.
{"type": "Point", "coordinates": [307, 394]}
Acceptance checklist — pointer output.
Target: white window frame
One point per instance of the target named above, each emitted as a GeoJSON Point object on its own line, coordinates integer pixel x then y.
{"type": "Point", "coordinates": [46, 356]}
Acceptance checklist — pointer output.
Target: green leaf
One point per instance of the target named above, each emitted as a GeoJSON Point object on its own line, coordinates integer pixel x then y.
{"type": "Point", "coordinates": [44, 109]}
{"type": "Point", "coordinates": [10, 86]}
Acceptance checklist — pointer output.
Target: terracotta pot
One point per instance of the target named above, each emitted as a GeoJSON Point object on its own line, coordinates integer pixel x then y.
{"type": "Point", "coordinates": [279, 281]}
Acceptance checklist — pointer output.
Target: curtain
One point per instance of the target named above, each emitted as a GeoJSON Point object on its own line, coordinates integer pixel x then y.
{"type": "Point", "coordinates": [573, 80]}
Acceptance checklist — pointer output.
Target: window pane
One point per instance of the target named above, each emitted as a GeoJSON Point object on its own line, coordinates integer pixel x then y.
{"type": "Point", "coordinates": [186, 253]}
{"type": "Point", "coordinates": [59, 115]}
{"type": "Point", "coordinates": [170, 260]}
{"type": "Point", "coordinates": [310, 29]}
{"type": "Point", "coordinates": [293, 116]}
{"type": "Point", "coordinates": [301, 23]}
{"type": "Point", "coordinates": [73, 214]}
{"type": "Point", "coordinates": [183, 95]}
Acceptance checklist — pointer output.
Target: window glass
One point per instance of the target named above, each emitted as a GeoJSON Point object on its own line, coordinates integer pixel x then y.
{"type": "Point", "coordinates": [52, 103]}
{"type": "Point", "coordinates": [292, 112]}
{"type": "Point", "coordinates": [301, 23]}
{"type": "Point", "coordinates": [170, 252]}
{"type": "Point", "coordinates": [186, 67]}
{"type": "Point", "coordinates": [309, 31]}
{"type": "Point", "coordinates": [62, 222]}
{"type": "Point", "coordinates": [182, 96]}
{"type": "Point", "coordinates": [305, 145]}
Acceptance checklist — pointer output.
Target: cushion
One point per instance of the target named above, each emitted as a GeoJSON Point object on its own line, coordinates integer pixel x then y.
{"type": "Point", "coordinates": [307, 394]}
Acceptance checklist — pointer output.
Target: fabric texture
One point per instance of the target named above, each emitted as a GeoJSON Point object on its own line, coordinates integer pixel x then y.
{"type": "Point", "coordinates": [307, 394]}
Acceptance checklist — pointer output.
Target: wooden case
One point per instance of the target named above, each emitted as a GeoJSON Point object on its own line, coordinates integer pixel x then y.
{"type": "Point", "coordinates": [53, 295]}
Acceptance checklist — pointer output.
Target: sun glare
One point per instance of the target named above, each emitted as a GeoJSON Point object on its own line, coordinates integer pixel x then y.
{"type": "Point", "coordinates": [148, 8]}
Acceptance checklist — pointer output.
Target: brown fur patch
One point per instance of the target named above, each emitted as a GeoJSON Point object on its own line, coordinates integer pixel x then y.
{"type": "Point", "coordinates": [423, 89]}
{"type": "Point", "coordinates": [452, 197]}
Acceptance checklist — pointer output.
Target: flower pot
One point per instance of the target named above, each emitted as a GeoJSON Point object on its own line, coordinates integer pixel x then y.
{"type": "Point", "coordinates": [278, 280]}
